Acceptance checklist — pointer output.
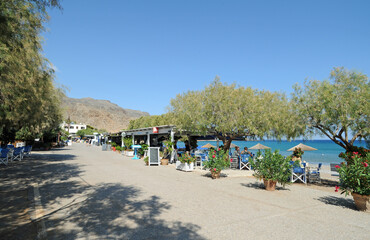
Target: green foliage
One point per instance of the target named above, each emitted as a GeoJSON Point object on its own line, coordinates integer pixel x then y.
{"type": "Point", "coordinates": [336, 109]}
{"type": "Point", "coordinates": [113, 144]}
{"type": "Point", "coordinates": [29, 101]}
{"type": "Point", "coordinates": [217, 160]}
{"type": "Point", "coordinates": [149, 121]}
{"type": "Point", "coordinates": [272, 166]}
{"type": "Point", "coordinates": [142, 150]}
{"type": "Point", "coordinates": [186, 158]}
{"type": "Point", "coordinates": [146, 159]}
{"type": "Point", "coordinates": [229, 111]}
{"type": "Point", "coordinates": [355, 176]}
{"type": "Point", "coordinates": [127, 141]}
{"type": "Point", "coordinates": [83, 132]}
{"type": "Point", "coordinates": [168, 148]}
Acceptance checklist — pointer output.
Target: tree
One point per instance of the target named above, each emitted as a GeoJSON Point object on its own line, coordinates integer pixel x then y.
{"type": "Point", "coordinates": [339, 109]}
{"type": "Point", "coordinates": [228, 112]}
{"type": "Point", "coordinates": [149, 121]}
{"type": "Point", "coordinates": [29, 101]}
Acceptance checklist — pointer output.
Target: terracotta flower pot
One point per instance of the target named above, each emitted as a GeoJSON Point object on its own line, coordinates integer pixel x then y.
{"type": "Point", "coordinates": [269, 184]}
{"type": "Point", "coordinates": [215, 174]}
{"type": "Point", "coordinates": [164, 161]}
{"type": "Point", "coordinates": [362, 202]}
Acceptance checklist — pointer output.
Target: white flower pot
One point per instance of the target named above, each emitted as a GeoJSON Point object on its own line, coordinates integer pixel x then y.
{"type": "Point", "coordinates": [184, 166]}
{"type": "Point", "coordinates": [129, 153]}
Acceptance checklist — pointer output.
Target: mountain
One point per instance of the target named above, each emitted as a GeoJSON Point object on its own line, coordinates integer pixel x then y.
{"type": "Point", "coordinates": [101, 114]}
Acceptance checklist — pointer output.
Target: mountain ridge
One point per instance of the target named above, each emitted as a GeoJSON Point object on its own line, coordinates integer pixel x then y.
{"type": "Point", "coordinates": [99, 113]}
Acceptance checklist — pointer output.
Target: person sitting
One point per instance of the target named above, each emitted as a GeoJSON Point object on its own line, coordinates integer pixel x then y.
{"type": "Point", "coordinates": [247, 152]}
{"type": "Point", "coordinates": [236, 153]}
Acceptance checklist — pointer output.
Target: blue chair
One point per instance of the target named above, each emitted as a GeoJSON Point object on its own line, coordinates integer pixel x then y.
{"type": "Point", "coordinates": [27, 150]}
{"type": "Point", "coordinates": [203, 157]}
{"type": "Point", "coordinates": [18, 154]}
{"type": "Point", "coordinates": [4, 157]}
{"type": "Point", "coordinates": [299, 174]}
{"type": "Point", "coordinates": [314, 174]}
{"type": "Point", "coordinates": [244, 162]}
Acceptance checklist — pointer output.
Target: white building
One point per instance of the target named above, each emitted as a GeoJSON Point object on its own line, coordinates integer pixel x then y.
{"type": "Point", "coordinates": [73, 127]}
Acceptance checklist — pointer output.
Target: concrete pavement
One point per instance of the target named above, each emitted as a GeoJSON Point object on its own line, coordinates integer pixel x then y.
{"type": "Point", "coordinates": [90, 194]}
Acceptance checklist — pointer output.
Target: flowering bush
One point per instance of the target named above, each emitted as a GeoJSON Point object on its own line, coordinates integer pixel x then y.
{"type": "Point", "coordinates": [272, 166]}
{"type": "Point", "coordinates": [186, 158]}
{"type": "Point", "coordinates": [298, 152]}
{"type": "Point", "coordinates": [355, 174]}
{"type": "Point", "coordinates": [349, 155]}
{"type": "Point", "coordinates": [217, 160]}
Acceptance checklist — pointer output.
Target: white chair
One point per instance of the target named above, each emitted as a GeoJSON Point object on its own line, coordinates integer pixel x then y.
{"type": "Point", "coordinates": [299, 174]}
{"type": "Point", "coordinates": [244, 162]}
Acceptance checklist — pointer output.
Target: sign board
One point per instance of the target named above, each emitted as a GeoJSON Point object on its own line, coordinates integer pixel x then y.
{"type": "Point", "coordinates": [155, 130]}
{"type": "Point", "coordinates": [154, 156]}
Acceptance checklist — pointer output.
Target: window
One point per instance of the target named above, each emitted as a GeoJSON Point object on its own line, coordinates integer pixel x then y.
{"type": "Point", "coordinates": [82, 127]}
{"type": "Point", "coordinates": [76, 127]}
{"type": "Point", "coordinates": [71, 127]}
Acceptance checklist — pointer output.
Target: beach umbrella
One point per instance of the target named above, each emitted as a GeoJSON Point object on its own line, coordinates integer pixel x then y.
{"type": "Point", "coordinates": [208, 145]}
{"type": "Point", "coordinates": [302, 147]}
{"type": "Point", "coordinates": [259, 146]}
{"type": "Point", "coordinates": [232, 145]}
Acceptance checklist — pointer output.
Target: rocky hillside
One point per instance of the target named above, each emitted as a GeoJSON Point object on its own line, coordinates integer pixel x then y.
{"type": "Point", "coordinates": [101, 114]}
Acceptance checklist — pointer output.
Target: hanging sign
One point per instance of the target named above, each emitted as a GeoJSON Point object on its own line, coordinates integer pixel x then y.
{"type": "Point", "coordinates": [155, 130]}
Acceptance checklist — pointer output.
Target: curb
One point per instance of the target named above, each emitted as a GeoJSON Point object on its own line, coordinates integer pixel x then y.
{"type": "Point", "coordinates": [36, 211]}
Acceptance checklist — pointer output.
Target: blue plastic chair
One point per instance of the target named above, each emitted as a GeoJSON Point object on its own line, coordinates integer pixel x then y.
{"type": "Point", "coordinates": [27, 150]}
{"type": "Point", "coordinates": [244, 162]}
{"type": "Point", "coordinates": [18, 154]}
{"type": "Point", "coordinates": [314, 174]}
{"type": "Point", "coordinates": [4, 157]}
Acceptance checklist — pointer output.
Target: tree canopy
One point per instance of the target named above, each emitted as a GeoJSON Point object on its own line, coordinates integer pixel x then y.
{"type": "Point", "coordinates": [29, 101]}
{"type": "Point", "coordinates": [229, 111]}
{"type": "Point", "coordinates": [338, 109]}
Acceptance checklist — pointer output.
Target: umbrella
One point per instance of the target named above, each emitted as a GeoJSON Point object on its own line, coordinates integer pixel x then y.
{"type": "Point", "coordinates": [302, 147]}
{"type": "Point", "coordinates": [232, 145]}
{"type": "Point", "coordinates": [208, 145]}
{"type": "Point", "coordinates": [259, 146]}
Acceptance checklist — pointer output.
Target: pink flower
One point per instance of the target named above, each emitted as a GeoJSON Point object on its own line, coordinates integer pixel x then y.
{"type": "Point", "coordinates": [215, 169]}
{"type": "Point", "coordinates": [355, 153]}
{"type": "Point", "coordinates": [336, 188]}
{"type": "Point", "coordinates": [365, 164]}
{"type": "Point", "coordinates": [219, 149]}
{"type": "Point", "coordinates": [214, 156]}
{"type": "Point", "coordinates": [337, 166]}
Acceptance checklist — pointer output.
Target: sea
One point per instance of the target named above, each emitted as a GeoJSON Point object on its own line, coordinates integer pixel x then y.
{"type": "Point", "coordinates": [327, 151]}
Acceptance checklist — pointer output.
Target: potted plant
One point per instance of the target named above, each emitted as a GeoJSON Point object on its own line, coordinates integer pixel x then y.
{"type": "Point", "coordinates": [185, 163]}
{"type": "Point", "coordinates": [168, 148]}
{"type": "Point", "coordinates": [146, 160]}
{"type": "Point", "coordinates": [114, 145]}
{"type": "Point", "coordinates": [355, 179]}
{"type": "Point", "coordinates": [272, 168]}
{"type": "Point", "coordinates": [217, 161]}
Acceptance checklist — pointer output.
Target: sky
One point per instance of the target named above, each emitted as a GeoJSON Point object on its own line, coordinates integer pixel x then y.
{"type": "Point", "coordinates": [139, 54]}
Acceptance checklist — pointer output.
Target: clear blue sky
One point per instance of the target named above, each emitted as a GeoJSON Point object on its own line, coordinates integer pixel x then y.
{"type": "Point", "coordinates": [140, 54]}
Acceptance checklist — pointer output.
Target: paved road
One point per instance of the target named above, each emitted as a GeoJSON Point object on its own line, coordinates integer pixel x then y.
{"type": "Point", "coordinates": [90, 194]}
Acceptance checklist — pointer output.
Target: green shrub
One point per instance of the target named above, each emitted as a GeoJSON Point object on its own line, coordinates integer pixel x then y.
{"type": "Point", "coordinates": [272, 166]}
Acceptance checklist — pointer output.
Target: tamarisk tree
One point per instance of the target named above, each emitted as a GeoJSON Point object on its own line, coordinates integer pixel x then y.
{"type": "Point", "coordinates": [228, 112]}
{"type": "Point", "coordinates": [338, 109]}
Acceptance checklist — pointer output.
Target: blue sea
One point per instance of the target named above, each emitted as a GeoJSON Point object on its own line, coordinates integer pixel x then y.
{"type": "Point", "coordinates": [327, 151]}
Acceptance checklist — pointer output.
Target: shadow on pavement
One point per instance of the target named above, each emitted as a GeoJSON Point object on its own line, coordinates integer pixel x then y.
{"type": "Point", "coordinates": [16, 196]}
{"type": "Point", "coordinates": [338, 201]}
{"type": "Point", "coordinates": [113, 211]}
{"type": "Point", "coordinates": [261, 186]}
